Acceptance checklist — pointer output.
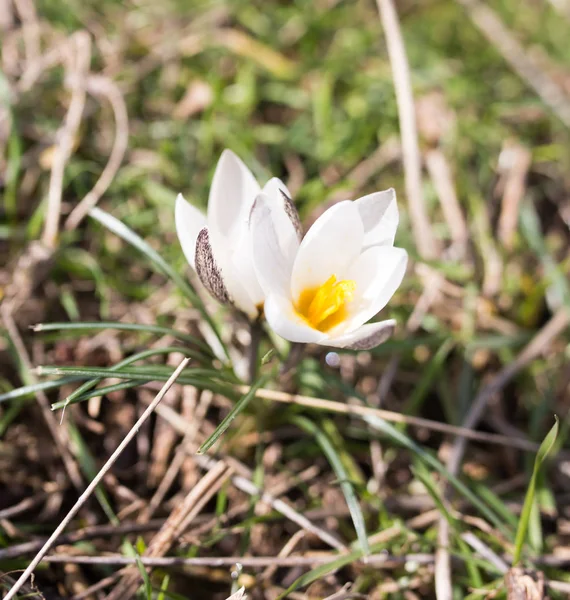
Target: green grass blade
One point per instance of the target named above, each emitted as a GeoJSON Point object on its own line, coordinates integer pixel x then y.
{"type": "Point", "coordinates": [345, 484]}
{"type": "Point", "coordinates": [30, 390]}
{"type": "Point", "coordinates": [541, 455]}
{"type": "Point", "coordinates": [90, 326]}
{"type": "Point", "coordinates": [240, 405]}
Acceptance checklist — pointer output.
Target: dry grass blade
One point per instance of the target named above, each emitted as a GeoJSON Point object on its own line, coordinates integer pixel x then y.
{"type": "Point", "coordinates": [78, 58]}
{"type": "Point", "coordinates": [515, 161]}
{"type": "Point", "coordinates": [393, 417]}
{"type": "Point", "coordinates": [104, 87]}
{"type": "Point", "coordinates": [96, 480]}
{"type": "Point", "coordinates": [423, 234]}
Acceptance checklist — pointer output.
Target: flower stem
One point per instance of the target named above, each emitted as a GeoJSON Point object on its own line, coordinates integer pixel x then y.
{"type": "Point", "coordinates": [292, 360]}
{"type": "Point", "coordinates": [255, 331]}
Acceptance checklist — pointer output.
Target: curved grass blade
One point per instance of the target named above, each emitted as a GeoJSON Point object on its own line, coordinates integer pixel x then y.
{"type": "Point", "coordinates": [324, 569]}
{"type": "Point", "coordinates": [345, 484]}
{"type": "Point", "coordinates": [541, 455]}
{"type": "Point", "coordinates": [119, 228]}
{"type": "Point", "coordinates": [236, 410]}
{"type": "Point", "coordinates": [87, 326]}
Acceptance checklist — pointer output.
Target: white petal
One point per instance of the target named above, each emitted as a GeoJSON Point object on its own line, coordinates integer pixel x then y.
{"type": "Point", "coordinates": [274, 242]}
{"type": "Point", "coordinates": [281, 197]}
{"type": "Point", "coordinates": [241, 263]}
{"type": "Point", "coordinates": [365, 337]}
{"type": "Point", "coordinates": [329, 247]}
{"type": "Point", "coordinates": [233, 191]}
{"type": "Point", "coordinates": [377, 273]}
{"type": "Point", "coordinates": [189, 220]}
{"type": "Point", "coordinates": [379, 214]}
{"type": "Point", "coordinates": [285, 321]}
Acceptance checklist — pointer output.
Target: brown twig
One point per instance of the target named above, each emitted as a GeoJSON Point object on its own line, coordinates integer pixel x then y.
{"type": "Point", "coordinates": [96, 480]}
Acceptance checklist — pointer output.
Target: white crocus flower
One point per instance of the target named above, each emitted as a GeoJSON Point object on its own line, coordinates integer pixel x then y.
{"type": "Point", "coordinates": [324, 288]}
{"type": "Point", "coordinates": [218, 246]}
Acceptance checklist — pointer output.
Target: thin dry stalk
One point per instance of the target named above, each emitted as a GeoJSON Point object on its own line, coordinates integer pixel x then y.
{"type": "Point", "coordinates": [254, 562]}
{"type": "Point", "coordinates": [423, 234]}
{"type": "Point", "coordinates": [442, 574]}
{"type": "Point", "coordinates": [440, 173]}
{"type": "Point", "coordinates": [96, 480]}
{"type": "Point", "coordinates": [487, 553]}
{"type": "Point", "coordinates": [100, 86]}
{"type": "Point", "coordinates": [78, 54]}
{"type": "Point", "coordinates": [516, 161]}
{"type": "Point", "coordinates": [26, 10]}
{"type": "Point", "coordinates": [523, 63]}
{"type": "Point", "coordinates": [387, 415]}
{"type": "Point", "coordinates": [285, 551]}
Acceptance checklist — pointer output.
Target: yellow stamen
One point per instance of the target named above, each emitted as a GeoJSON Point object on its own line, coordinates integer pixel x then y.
{"type": "Point", "coordinates": [324, 307]}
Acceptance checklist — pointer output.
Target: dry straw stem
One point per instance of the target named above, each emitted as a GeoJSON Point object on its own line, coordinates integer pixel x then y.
{"type": "Point", "coordinates": [100, 86]}
{"type": "Point", "coordinates": [254, 562]}
{"type": "Point", "coordinates": [442, 179]}
{"type": "Point", "coordinates": [96, 480]}
{"type": "Point", "coordinates": [516, 161]}
{"type": "Point", "coordinates": [78, 58]}
{"type": "Point", "coordinates": [423, 234]}
{"type": "Point", "coordinates": [527, 67]}
{"type": "Point", "coordinates": [394, 417]}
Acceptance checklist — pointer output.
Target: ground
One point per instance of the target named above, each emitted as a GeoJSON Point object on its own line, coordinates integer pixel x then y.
{"type": "Point", "coordinates": [422, 449]}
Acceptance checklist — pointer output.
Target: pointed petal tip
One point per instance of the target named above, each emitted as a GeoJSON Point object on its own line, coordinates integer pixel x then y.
{"type": "Point", "coordinates": [364, 338]}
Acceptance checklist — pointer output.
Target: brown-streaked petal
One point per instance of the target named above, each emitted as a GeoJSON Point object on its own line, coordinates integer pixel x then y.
{"type": "Point", "coordinates": [207, 269]}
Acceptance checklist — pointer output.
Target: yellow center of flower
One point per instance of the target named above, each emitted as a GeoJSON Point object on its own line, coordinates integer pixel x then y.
{"type": "Point", "coordinates": [324, 307]}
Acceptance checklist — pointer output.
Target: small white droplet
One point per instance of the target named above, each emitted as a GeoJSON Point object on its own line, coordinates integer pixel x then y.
{"type": "Point", "coordinates": [332, 359]}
